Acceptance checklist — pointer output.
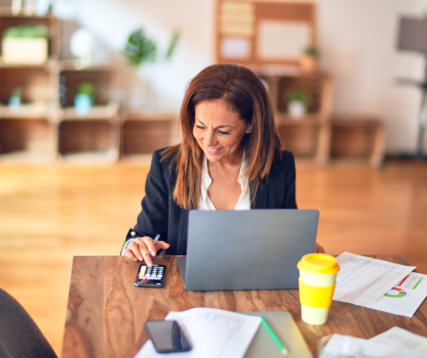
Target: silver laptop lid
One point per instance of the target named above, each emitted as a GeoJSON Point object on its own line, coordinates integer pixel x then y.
{"type": "Point", "coordinates": [251, 249]}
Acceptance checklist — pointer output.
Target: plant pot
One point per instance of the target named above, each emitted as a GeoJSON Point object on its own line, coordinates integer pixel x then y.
{"type": "Point", "coordinates": [308, 64]}
{"type": "Point", "coordinates": [296, 109]}
{"type": "Point", "coordinates": [82, 104]}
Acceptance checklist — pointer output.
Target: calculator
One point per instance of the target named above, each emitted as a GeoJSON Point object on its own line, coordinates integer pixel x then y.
{"type": "Point", "coordinates": [153, 276]}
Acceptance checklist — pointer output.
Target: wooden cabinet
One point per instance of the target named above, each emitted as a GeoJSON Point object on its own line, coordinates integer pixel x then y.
{"type": "Point", "coordinates": [43, 124]}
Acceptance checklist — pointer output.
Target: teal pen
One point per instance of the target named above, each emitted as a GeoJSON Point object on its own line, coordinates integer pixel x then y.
{"type": "Point", "coordinates": [273, 335]}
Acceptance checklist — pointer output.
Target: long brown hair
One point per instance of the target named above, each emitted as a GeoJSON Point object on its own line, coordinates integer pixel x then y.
{"type": "Point", "coordinates": [245, 93]}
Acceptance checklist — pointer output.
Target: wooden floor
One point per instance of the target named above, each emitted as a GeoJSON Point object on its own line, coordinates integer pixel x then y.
{"type": "Point", "coordinates": [49, 213]}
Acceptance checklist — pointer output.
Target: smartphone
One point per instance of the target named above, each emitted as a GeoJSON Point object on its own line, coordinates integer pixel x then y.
{"type": "Point", "coordinates": [167, 336]}
{"type": "Point", "coordinates": [153, 276]}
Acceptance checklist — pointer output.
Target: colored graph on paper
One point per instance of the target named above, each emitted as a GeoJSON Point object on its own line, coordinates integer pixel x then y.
{"type": "Point", "coordinates": [405, 297]}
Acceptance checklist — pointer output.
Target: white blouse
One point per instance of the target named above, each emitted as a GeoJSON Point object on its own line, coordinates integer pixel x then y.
{"type": "Point", "coordinates": [205, 203]}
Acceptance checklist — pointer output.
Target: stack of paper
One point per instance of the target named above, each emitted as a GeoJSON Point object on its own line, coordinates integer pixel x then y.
{"type": "Point", "coordinates": [213, 333]}
{"type": "Point", "coordinates": [379, 285]}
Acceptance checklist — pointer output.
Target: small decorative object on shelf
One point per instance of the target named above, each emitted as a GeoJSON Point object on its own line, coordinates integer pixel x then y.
{"type": "Point", "coordinates": [309, 59]}
{"type": "Point", "coordinates": [29, 7]}
{"type": "Point", "coordinates": [16, 7]}
{"type": "Point", "coordinates": [297, 101]}
{"type": "Point", "coordinates": [83, 101]}
{"type": "Point", "coordinates": [25, 44]}
{"type": "Point", "coordinates": [15, 98]}
{"type": "Point", "coordinates": [81, 46]}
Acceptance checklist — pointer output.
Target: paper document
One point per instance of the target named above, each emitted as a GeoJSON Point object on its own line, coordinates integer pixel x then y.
{"type": "Point", "coordinates": [405, 297]}
{"type": "Point", "coordinates": [363, 280]}
{"type": "Point", "coordinates": [340, 346]}
{"type": "Point", "coordinates": [400, 337]}
{"type": "Point", "coordinates": [213, 333]}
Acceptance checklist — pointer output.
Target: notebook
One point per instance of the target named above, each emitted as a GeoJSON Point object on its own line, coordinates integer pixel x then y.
{"type": "Point", "coordinates": [246, 249]}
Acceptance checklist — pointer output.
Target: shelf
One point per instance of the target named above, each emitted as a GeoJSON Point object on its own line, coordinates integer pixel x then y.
{"type": "Point", "coordinates": [91, 157]}
{"type": "Point", "coordinates": [148, 116]}
{"type": "Point", "coordinates": [95, 113]}
{"type": "Point", "coordinates": [27, 157]}
{"type": "Point", "coordinates": [73, 65]}
{"type": "Point", "coordinates": [23, 17]}
{"type": "Point", "coordinates": [26, 111]}
{"type": "Point", "coordinates": [48, 65]}
{"type": "Point", "coordinates": [287, 120]}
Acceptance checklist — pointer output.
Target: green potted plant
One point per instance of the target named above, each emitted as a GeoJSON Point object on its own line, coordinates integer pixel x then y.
{"type": "Point", "coordinates": [141, 49]}
{"type": "Point", "coordinates": [25, 44]}
{"type": "Point", "coordinates": [309, 59]}
{"type": "Point", "coordinates": [297, 102]}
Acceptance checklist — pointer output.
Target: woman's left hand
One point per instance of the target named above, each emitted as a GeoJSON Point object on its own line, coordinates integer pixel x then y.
{"type": "Point", "coordinates": [318, 249]}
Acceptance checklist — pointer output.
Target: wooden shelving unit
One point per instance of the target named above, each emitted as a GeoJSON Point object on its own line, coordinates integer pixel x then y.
{"type": "Point", "coordinates": [46, 126]}
{"type": "Point", "coordinates": [94, 134]}
{"type": "Point", "coordinates": [308, 136]}
{"type": "Point", "coordinates": [27, 132]}
{"type": "Point", "coordinates": [269, 36]}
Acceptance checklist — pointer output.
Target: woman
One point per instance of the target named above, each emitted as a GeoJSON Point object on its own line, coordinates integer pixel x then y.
{"type": "Point", "coordinates": [230, 158]}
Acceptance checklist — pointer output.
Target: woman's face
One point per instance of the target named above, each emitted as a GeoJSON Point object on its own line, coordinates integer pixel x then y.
{"type": "Point", "coordinates": [219, 130]}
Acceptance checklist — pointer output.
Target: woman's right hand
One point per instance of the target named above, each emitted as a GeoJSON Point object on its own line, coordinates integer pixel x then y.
{"type": "Point", "coordinates": [144, 249]}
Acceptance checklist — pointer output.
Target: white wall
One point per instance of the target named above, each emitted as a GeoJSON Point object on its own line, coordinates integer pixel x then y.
{"type": "Point", "coordinates": [356, 38]}
{"type": "Point", "coordinates": [358, 43]}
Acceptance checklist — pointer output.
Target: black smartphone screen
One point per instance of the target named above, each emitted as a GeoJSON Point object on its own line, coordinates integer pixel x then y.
{"type": "Point", "coordinates": [167, 336]}
{"type": "Point", "coordinates": [153, 276]}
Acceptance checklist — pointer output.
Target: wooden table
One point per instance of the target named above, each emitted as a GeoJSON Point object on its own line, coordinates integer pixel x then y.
{"type": "Point", "coordinates": [106, 312]}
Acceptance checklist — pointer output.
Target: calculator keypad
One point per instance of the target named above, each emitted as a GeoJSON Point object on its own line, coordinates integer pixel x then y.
{"type": "Point", "coordinates": [151, 273]}
{"type": "Point", "coordinates": [153, 276]}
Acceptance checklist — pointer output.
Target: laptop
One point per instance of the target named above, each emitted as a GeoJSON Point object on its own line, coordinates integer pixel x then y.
{"type": "Point", "coordinates": [246, 249]}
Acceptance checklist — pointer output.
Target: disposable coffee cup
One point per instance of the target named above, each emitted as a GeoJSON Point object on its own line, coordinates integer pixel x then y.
{"type": "Point", "coordinates": [316, 281]}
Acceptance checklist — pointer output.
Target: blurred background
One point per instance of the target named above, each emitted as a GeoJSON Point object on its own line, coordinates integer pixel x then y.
{"type": "Point", "coordinates": [89, 88]}
{"type": "Point", "coordinates": [357, 43]}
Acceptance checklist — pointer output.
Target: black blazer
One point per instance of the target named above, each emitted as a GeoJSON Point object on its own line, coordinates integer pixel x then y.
{"type": "Point", "coordinates": [161, 215]}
